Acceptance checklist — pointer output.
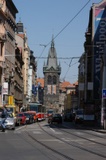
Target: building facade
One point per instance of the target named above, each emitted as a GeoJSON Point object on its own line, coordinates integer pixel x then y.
{"type": "Point", "coordinates": [32, 78]}
{"type": "Point", "coordinates": [95, 41]}
{"type": "Point", "coordinates": [18, 78]}
{"type": "Point", "coordinates": [7, 56]}
{"type": "Point", "coordinates": [21, 40]}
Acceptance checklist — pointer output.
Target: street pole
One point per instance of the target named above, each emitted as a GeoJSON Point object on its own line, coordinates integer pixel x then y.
{"type": "Point", "coordinates": [2, 98]}
{"type": "Point", "coordinates": [103, 108]}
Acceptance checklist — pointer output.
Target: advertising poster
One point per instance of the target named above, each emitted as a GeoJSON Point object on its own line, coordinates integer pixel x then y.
{"type": "Point", "coordinates": [99, 25]}
{"type": "Point", "coordinates": [5, 88]}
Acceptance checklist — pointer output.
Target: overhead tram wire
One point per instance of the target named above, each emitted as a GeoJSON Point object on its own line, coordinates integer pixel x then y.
{"type": "Point", "coordinates": [64, 28]}
{"type": "Point", "coordinates": [69, 22]}
{"type": "Point", "coordinates": [69, 66]}
{"type": "Point", "coordinates": [59, 57]}
{"type": "Point", "coordinates": [41, 52]}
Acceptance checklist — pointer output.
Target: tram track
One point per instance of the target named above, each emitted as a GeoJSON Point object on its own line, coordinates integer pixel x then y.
{"type": "Point", "coordinates": [84, 137]}
{"type": "Point", "coordinates": [27, 135]}
{"type": "Point", "coordinates": [76, 145]}
{"type": "Point", "coordinates": [83, 129]}
{"type": "Point", "coordinates": [50, 148]}
{"type": "Point", "coordinates": [32, 137]}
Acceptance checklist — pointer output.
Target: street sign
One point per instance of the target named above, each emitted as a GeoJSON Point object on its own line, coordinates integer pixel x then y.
{"type": "Point", "coordinates": [104, 93]}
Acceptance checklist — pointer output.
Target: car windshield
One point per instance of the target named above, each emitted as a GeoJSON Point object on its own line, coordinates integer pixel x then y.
{"type": "Point", "coordinates": [27, 114]}
{"type": "Point", "coordinates": [80, 112]}
{"type": "Point", "coordinates": [10, 115]}
{"type": "Point", "coordinates": [20, 115]}
{"type": "Point", "coordinates": [49, 112]}
{"type": "Point", "coordinates": [56, 115]}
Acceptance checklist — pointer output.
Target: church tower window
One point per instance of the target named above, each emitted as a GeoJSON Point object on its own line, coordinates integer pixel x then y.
{"type": "Point", "coordinates": [49, 80]}
{"type": "Point", "coordinates": [54, 80]}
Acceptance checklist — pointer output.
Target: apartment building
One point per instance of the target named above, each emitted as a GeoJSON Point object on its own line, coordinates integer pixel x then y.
{"type": "Point", "coordinates": [8, 13]}
{"type": "Point", "coordinates": [21, 40]}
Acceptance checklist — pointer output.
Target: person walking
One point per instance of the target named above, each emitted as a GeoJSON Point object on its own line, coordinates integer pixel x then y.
{"type": "Point", "coordinates": [4, 115]}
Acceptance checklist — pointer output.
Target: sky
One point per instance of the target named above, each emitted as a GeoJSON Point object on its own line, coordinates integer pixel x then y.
{"type": "Point", "coordinates": [66, 21]}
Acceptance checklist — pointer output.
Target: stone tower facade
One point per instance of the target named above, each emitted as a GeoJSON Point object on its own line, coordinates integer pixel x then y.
{"type": "Point", "coordinates": [51, 71]}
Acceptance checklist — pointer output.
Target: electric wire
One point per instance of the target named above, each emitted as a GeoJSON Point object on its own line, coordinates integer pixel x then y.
{"type": "Point", "coordinates": [44, 46]}
{"type": "Point", "coordinates": [69, 22]}
{"type": "Point", "coordinates": [64, 27]}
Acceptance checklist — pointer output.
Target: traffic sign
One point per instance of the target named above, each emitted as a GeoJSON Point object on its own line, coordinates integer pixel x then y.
{"type": "Point", "coordinates": [104, 93]}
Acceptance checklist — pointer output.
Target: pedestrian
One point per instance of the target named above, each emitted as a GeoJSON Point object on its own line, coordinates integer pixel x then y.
{"type": "Point", "coordinates": [4, 115]}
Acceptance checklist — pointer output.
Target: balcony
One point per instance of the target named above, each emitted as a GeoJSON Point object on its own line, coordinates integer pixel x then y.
{"type": "Point", "coordinates": [2, 37]}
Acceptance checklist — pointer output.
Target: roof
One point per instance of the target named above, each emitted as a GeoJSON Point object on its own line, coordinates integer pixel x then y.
{"type": "Point", "coordinates": [76, 83]}
{"type": "Point", "coordinates": [21, 35]}
{"type": "Point", "coordinates": [66, 84]}
{"type": "Point", "coordinates": [41, 81]}
{"type": "Point", "coordinates": [63, 85]}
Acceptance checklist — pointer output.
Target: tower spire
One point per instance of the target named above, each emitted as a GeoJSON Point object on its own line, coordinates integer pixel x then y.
{"type": "Point", "coordinates": [52, 42]}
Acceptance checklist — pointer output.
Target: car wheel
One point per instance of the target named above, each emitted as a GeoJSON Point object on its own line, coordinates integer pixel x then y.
{"type": "Point", "coordinates": [3, 129]}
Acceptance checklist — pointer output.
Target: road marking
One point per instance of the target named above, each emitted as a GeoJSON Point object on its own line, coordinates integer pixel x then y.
{"type": "Point", "coordinates": [79, 133]}
{"type": "Point", "coordinates": [58, 133]}
{"type": "Point", "coordinates": [36, 132]}
{"type": "Point", "coordinates": [52, 130]}
{"type": "Point", "coordinates": [3, 132]}
{"type": "Point", "coordinates": [17, 132]}
{"type": "Point", "coordinates": [17, 129]}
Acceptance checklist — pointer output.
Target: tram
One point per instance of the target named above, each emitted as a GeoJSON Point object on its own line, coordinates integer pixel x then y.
{"type": "Point", "coordinates": [39, 108]}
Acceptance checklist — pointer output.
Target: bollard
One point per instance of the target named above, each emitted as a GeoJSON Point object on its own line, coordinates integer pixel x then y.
{"type": "Point", "coordinates": [104, 123]}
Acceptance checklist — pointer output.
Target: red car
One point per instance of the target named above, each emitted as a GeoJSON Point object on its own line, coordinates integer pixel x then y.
{"type": "Point", "coordinates": [22, 117]}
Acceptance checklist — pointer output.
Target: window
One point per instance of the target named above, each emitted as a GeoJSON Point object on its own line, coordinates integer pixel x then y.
{"type": "Point", "coordinates": [54, 80]}
{"type": "Point", "coordinates": [49, 81]}
{"type": "Point", "coordinates": [1, 49]}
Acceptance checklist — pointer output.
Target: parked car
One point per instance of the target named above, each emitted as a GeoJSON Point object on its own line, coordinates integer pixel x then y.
{"type": "Point", "coordinates": [22, 117]}
{"type": "Point", "coordinates": [9, 122]}
{"type": "Point", "coordinates": [35, 117]}
{"type": "Point", "coordinates": [79, 117]}
{"type": "Point", "coordinates": [55, 118]}
{"type": "Point", "coordinates": [68, 117]}
{"type": "Point", "coordinates": [29, 118]}
{"type": "Point", "coordinates": [17, 119]}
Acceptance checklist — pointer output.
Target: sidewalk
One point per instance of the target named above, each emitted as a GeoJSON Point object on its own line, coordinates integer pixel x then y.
{"type": "Point", "coordinates": [94, 127]}
{"type": "Point", "coordinates": [99, 130]}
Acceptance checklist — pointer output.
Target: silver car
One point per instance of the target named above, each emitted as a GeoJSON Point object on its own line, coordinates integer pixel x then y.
{"type": "Point", "coordinates": [79, 117]}
{"type": "Point", "coordinates": [10, 122]}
